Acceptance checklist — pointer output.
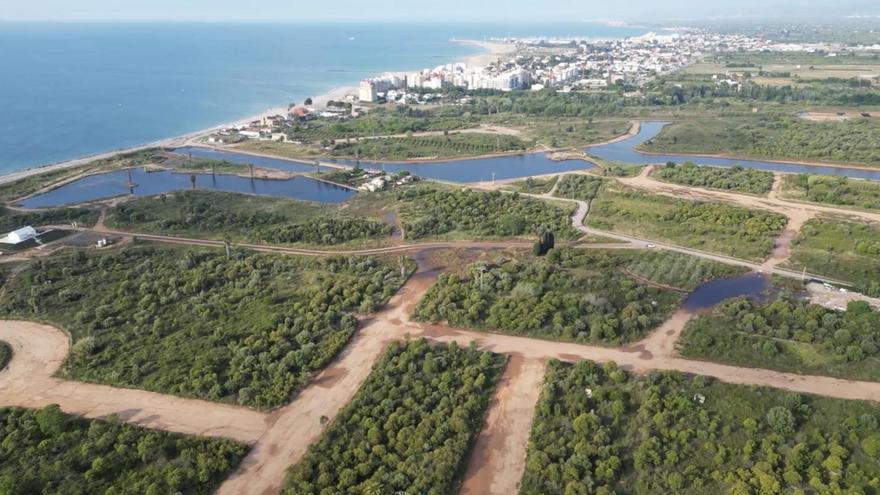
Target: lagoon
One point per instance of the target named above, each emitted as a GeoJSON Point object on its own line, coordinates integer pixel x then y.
{"type": "Point", "coordinates": [111, 184]}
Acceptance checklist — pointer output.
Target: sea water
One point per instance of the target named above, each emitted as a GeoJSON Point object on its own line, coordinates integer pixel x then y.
{"type": "Point", "coordinates": [70, 90]}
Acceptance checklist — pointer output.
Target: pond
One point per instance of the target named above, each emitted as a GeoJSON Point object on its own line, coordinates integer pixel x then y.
{"type": "Point", "coordinates": [112, 184]}
{"type": "Point", "coordinates": [712, 293]}
{"type": "Point", "coordinates": [624, 151]}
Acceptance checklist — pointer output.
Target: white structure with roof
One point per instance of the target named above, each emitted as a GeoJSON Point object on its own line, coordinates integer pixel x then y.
{"type": "Point", "coordinates": [19, 236]}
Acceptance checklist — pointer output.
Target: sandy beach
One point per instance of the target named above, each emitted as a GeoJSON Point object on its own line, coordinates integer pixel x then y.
{"type": "Point", "coordinates": [491, 52]}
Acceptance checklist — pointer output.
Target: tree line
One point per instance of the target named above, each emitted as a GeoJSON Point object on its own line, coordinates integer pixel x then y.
{"type": "Point", "coordinates": [47, 451]}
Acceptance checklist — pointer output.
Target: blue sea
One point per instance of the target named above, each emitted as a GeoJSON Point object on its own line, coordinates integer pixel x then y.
{"type": "Point", "coordinates": [71, 90]}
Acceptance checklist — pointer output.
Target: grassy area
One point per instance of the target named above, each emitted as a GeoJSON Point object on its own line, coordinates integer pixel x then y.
{"type": "Point", "coordinates": [216, 215]}
{"type": "Point", "coordinates": [601, 430]}
{"type": "Point", "coordinates": [788, 335]}
{"type": "Point", "coordinates": [715, 227]}
{"type": "Point", "coordinates": [791, 67]}
{"type": "Point", "coordinates": [572, 295]}
{"type": "Point", "coordinates": [841, 249]}
{"type": "Point", "coordinates": [5, 354]}
{"type": "Point", "coordinates": [838, 191]}
{"type": "Point", "coordinates": [535, 186]}
{"type": "Point", "coordinates": [739, 179]}
{"type": "Point", "coordinates": [431, 211]}
{"type": "Point", "coordinates": [851, 141]}
{"type": "Point", "coordinates": [247, 329]}
{"type": "Point", "coordinates": [408, 429]}
{"type": "Point", "coordinates": [47, 451]}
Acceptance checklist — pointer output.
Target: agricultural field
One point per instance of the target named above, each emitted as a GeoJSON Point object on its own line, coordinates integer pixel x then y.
{"type": "Point", "coordinates": [789, 335]}
{"type": "Point", "coordinates": [568, 132]}
{"type": "Point", "coordinates": [451, 145]}
{"type": "Point", "coordinates": [571, 295]}
{"type": "Point", "coordinates": [837, 191]}
{"type": "Point", "coordinates": [408, 429]}
{"type": "Point", "coordinates": [428, 211]}
{"type": "Point", "coordinates": [843, 249]}
{"type": "Point", "coordinates": [47, 451]}
{"type": "Point", "coordinates": [716, 227]}
{"type": "Point", "coordinates": [598, 429]}
{"type": "Point", "coordinates": [854, 141]}
{"type": "Point", "coordinates": [738, 179]}
{"type": "Point", "coordinates": [240, 217]}
{"type": "Point", "coordinates": [247, 329]}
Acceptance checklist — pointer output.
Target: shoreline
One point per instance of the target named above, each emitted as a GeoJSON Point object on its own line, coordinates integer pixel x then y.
{"type": "Point", "coordinates": [490, 50]}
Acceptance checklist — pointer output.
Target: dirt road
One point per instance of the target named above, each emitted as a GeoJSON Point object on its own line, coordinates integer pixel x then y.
{"type": "Point", "coordinates": [296, 426]}
{"type": "Point", "coordinates": [498, 460]}
{"type": "Point", "coordinates": [39, 350]}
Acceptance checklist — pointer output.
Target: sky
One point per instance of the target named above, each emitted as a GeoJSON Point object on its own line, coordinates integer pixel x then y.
{"type": "Point", "coordinates": [407, 10]}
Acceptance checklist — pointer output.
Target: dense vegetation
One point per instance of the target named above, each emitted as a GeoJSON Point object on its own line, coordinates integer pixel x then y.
{"type": "Point", "coordinates": [841, 249]}
{"type": "Point", "coordinates": [46, 451]}
{"type": "Point", "coordinates": [11, 220]}
{"type": "Point", "coordinates": [408, 429]}
{"type": "Point", "coordinates": [850, 141]}
{"type": "Point", "coordinates": [747, 180]}
{"type": "Point", "coordinates": [580, 296]}
{"type": "Point", "coordinates": [430, 211]}
{"type": "Point", "coordinates": [789, 335]}
{"type": "Point", "coordinates": [717, 227]}
{"type": "Point", "coordinates": [583, 187]}
{"type": "Point", "coordinates": [249, 329]}
{"type": "Point", "coordinates": [5, 354]}
{"type": "Point", "coordinates": [841, 191]}
{"type": "Point", "coordinates": [265, 220]}
{"type": "Point", "coordinates": [448, 146]}
{"type": "Point", "coordinates": [599, 430]}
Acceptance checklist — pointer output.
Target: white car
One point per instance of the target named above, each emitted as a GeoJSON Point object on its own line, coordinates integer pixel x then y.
{"type": "Point", "coordinates": [652, 246]}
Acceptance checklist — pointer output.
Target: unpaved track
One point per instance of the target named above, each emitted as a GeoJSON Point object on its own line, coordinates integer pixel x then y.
{"type": "Point", "coordinates": [498, 460]}
{"type": "Point", "coordinates": [39, 350]}
{"type": "Point", "coordinates": [297, 426]}
{"type": "Point", "coordinates": [639, 360]}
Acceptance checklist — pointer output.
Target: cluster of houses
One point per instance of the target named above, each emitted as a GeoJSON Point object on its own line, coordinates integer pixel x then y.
{"type": "Point", "coordinates": [377, 180]}
{"type": "Point", "coordinates": [563, 63]}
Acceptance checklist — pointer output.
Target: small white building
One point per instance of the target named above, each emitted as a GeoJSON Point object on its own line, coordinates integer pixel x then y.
{"type": "Point", "coordinates": [19, 236]}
